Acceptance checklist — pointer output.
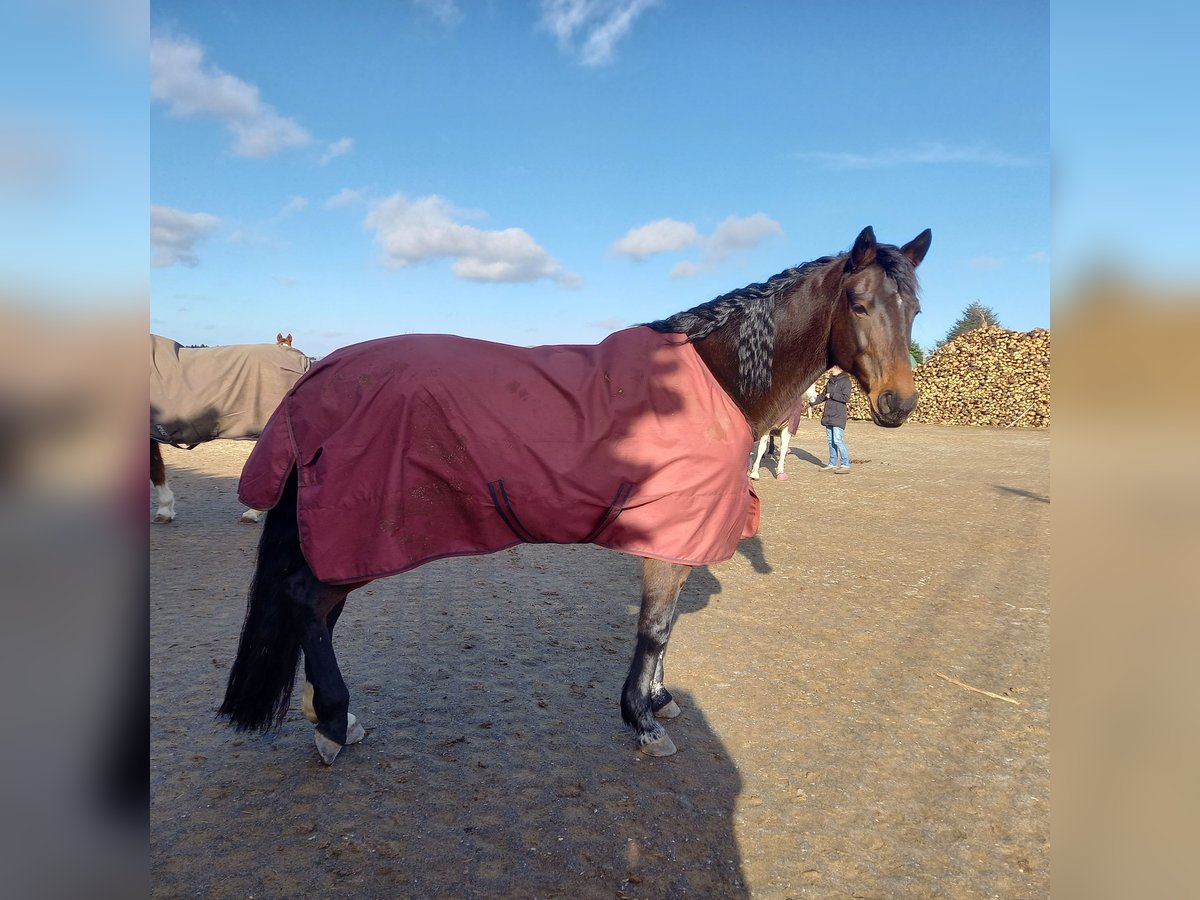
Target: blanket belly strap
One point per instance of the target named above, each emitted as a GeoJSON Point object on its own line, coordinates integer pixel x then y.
{"type": "Point", "coordinates": [624, 492]}
{"type": "Point", "coordinates": [508, 515]}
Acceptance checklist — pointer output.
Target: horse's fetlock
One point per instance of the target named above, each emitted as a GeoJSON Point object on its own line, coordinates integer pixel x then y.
{"type": "Point", "coordinates": [334, 729]}
{"type": "Point", "coordinates": [650, 733]}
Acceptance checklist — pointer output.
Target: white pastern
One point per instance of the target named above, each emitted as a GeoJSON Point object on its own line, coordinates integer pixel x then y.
{"type": "Point", "coordinates": [306, 703]}
{"type": "Point", "coordinates": [165, 500]}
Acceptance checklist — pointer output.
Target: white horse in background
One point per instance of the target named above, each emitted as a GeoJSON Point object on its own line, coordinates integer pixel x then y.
{"type": "Point", "coordinates": [784, 430]}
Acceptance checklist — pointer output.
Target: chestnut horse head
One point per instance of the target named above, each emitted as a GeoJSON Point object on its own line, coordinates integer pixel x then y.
{"type": "Point", "coordinates": [871, 329]}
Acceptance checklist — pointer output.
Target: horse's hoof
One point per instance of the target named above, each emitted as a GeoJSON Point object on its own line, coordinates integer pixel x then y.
{"type": "Point", "coordinates": [328, 748]}
{"type": "Point", "coordinates": [662, 746]}
{"type": "Point", "coordinates": [754, 475]}
{"type": "Point", "coordinates": [670, 711]}
{"type": "Point", "coordinates": [354, 731]}
{"type": "Point", "coordinates": [782, 476]}
{"type": "Point", "coordinates": [250, 517]}
{"type": "Point", "coordinates": [163, 519]}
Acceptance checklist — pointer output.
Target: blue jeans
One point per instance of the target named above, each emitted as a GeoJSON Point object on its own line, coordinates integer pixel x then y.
{"type": "Point", "coordinates": [837, 446]}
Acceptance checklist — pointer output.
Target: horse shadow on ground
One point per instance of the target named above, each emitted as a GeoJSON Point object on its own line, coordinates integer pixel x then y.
{"type": "Point", "coordinates": [771, 463]}
{"type": "Point", "coordinates": [495, 761]}
{"type": "Point", "coordinates": [805, 455]}
{"type": "Point", "coordinates": [1020, 492]}
{"type": "Point", "coordinates": [702, 585]}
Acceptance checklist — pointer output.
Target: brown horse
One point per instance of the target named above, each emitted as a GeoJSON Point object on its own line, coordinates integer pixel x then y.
{"type": "Point", "coordinates": [200, 394]}
{"type": "Point", "coordinates": [353, 505]}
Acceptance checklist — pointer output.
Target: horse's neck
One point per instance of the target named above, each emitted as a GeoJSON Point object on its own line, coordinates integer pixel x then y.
{"type": "Point", "coordinates": [802, 325]}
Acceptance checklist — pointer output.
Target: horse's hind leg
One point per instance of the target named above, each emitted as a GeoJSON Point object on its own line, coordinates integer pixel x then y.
{"type": "Point", "coordinates": [164, 499]}
{"type": "Point", "coordinates": [326, 700]}
{"type": "Point", "coordinates": [306, 701]}
{"type": "Point", "coordinates": [661, 583]}
{"type": "Point", "coordinates": [354, 731]}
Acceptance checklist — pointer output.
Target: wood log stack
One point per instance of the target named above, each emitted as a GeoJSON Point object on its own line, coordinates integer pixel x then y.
{"type": "Point", "coordinates": [989, 376]}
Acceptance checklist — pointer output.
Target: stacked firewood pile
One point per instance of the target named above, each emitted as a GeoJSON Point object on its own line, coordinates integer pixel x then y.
{"type": "Point", "coordinates": [988, 376]}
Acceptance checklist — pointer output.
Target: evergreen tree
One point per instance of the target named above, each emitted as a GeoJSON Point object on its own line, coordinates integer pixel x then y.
{"type": "Point", "coordinates": [916, 352]}
{"type": "Point", "coordinates": [976, 315]}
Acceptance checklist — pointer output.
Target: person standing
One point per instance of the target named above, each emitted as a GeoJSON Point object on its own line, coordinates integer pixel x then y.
{"type": "Point", "coordinates": [836, 395]}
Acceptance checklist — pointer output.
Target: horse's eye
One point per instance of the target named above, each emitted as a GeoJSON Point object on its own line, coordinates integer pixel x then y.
{"type": "Point", "coordinates": [858, 308]}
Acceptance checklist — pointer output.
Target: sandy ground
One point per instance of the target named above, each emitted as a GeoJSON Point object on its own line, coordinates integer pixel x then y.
{"type": "Point", "coordinates": [820, 753]}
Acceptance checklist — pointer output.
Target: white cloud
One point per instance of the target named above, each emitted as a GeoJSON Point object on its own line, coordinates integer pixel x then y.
{"type": "Point", "coordinates": [931, 153]}
{"type": "Point", "coordinates": [687, 268]}
{"type": "Point", "coordinates": [599, 25]}
{"type": "Point", "coordinates": [734, 233]}
{"type": "Point", "coordinates": [1041, 257]}
{"type": "Point", "coordinates": [175, 233]}
{"type": "Point", "coordinates": [295, 205]}
{"type": "Point", "coordinates": [985, 263]}
{"type": "Point", "coordinates": [414, 231]}
{"type": "Point", "coordinates": [659, 236]}
{"type": "Point", "coordinates": [445, 11]}
{"type": "Point", "coordinates": [338, 148]}
{"type": "Point", "coordinates": [180, 79]}
{"type": "Point", "coordinates": [344, 197]}
{"type": "Point", "coordinates": [607, 324]}
{"type": "Point", "coordinates": [740, 234]}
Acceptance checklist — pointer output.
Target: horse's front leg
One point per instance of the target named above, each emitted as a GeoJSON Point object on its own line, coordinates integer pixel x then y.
{"type": "Point", "coordinates": [661, 583]}
{"type": "Point", "coordinates": [762, 448]}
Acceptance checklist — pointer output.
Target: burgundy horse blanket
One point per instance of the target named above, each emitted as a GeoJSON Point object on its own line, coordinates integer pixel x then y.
{"type": "Point", "coordinates": [198, 394]}
{"type": "Point", "coordinates": [418, 447]}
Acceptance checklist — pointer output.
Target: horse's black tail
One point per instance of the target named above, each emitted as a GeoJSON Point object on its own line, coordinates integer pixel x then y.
{"type": "Point", "coordinates": [264, 671]}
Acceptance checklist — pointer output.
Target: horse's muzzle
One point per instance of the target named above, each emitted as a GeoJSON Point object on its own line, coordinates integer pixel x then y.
{"type": "Point", "coordinates": [891, 409]}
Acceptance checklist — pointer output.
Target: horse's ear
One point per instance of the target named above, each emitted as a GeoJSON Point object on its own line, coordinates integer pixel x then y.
{"type": "Point", "coordinates": [279, 337]}
{"type": "Point", "coordinates": [863, 252]}
{"type": "Point", "coordinates": [288, 340]}
{"type": "Point", "coordinates": [916, 249]}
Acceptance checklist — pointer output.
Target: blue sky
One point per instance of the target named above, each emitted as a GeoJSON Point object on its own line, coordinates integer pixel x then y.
{"type": "Point", "coordinates": [548, 172]}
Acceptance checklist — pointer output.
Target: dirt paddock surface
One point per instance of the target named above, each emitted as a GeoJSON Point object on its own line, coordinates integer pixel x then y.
{"type": "Point", "coordinates": [821, 752]}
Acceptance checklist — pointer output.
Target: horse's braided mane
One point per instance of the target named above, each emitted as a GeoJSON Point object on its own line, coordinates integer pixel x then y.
{"type": "Point", "coordinates": [754, 307]}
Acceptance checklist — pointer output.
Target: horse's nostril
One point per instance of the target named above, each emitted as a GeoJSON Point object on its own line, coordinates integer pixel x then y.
{"type": "Point", "coordinates": [887, 402]}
